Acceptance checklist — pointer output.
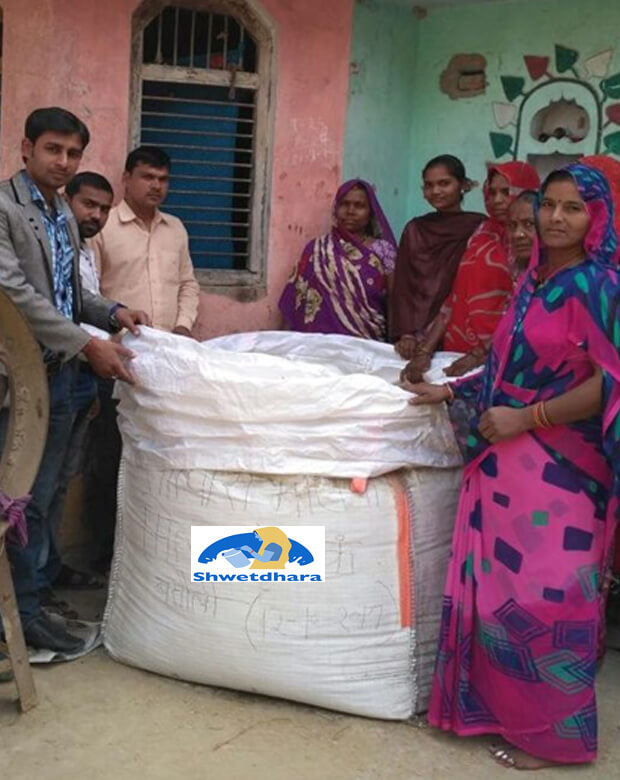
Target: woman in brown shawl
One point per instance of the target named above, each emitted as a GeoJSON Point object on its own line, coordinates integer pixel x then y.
{"type": "Point", "coordinates": [430, 251]}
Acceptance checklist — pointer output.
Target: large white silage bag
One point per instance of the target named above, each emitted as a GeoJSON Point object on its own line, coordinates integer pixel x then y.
{"type": "Point", "coordinates": [364, 640]}
{"type": "Point", "coordinates": [328, 409]}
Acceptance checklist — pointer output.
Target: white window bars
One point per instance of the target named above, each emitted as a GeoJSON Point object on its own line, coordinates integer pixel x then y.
{"type": "Point", "coordinates": [201, 92]}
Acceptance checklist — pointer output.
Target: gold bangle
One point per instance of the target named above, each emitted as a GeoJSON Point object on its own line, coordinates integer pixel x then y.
{"type": "Point", "coordinates": [541, 419]}
{"type": "Point", "coordinates": [544, 416]}
{"type": "Point", "coordinates": [536, 415]}
{"type": "Point", "coordinates": [450, 392]}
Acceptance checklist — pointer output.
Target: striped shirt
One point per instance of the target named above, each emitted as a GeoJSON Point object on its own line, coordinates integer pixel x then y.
{"type": "Point", "coordinates": [57, 230]}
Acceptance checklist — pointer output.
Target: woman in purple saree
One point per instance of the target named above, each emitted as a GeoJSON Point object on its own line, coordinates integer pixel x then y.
{"type": "Point", "coordinates": [340, 284]}
{"type": "Point", "coordinates": [538, 509]}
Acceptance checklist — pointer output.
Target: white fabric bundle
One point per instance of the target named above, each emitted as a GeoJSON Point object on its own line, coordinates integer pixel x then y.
{"type": "Point", "coordinates": [315, 404]}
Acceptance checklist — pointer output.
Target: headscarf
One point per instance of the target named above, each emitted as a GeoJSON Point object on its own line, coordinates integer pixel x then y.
{"type": "Point", "coordinates": [379, 225]}
{"type": "Point", "coordinates": [601, 240]}
{"type": "Point", "coordinates": [484, 281]}
{"type": "Point", "coordinates": [519, 175]}
{"type": "Point", "coordinates": [611, 169]}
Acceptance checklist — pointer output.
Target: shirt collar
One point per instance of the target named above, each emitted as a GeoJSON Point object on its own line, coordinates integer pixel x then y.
{"type": "Point", "coordinates": [37, 197]}
{"type": "Point", "coordinates": [127, 214]}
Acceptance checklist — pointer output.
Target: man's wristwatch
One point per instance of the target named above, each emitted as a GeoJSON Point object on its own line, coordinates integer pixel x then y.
{"type": "Point", "coordinates": [112, 321]}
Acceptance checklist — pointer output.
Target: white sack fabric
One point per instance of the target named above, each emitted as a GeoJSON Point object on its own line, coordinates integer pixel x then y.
{"type": "Point", "coordinates": [295, 404]}
{"type": "Point", "coordinates": [361, 642]}
{"type": "Point", "coordinates": [266, 430]}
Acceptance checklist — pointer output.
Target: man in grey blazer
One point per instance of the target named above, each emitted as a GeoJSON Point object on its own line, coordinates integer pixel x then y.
{"type": "Point", "coordinates": [39, 270]}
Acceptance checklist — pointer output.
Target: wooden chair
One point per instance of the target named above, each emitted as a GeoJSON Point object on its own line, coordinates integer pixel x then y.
{"type": "Point", "coordinates": [21, 455]}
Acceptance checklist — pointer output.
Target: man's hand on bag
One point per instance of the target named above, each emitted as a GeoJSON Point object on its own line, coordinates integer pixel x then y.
{"type": "Point", "coordinates": [131, 318]}
{"type": "Point", "coordinates": [107, 360]}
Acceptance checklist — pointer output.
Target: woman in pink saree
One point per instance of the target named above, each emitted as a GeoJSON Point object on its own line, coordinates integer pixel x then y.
{"type": "Point", "coordinates": [538, 509]}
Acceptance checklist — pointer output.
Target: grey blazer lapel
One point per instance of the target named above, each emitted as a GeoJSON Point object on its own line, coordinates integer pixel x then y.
{"type": "Point", "coordinates": [74, 235]}
{"type": "Point", "coordinates": [33, 216]}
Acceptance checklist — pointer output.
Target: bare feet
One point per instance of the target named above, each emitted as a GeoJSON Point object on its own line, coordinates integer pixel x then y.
{"type": "Point", "coordinates": [512, 758]}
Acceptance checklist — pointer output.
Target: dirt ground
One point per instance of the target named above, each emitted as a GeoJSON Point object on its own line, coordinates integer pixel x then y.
{"type": "Point", "coordinates": [101, 720]}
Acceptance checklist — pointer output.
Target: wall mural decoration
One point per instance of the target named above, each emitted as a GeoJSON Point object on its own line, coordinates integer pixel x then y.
{"type": "Point", "coordinates": [562, 115]}
{"type": "Point", "coordinates": [464, 77]}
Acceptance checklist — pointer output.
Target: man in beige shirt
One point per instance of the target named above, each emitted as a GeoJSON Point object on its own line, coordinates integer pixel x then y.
{"type": "Point", "coordinates": [143, 252]}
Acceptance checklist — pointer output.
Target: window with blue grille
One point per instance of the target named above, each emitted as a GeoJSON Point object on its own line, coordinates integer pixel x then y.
{"type": "Point", "coordinates": [200, 90]}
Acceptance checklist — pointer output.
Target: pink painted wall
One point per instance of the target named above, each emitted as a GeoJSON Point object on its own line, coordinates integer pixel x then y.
{"type": "Point", "coordinates": [77, 55]}
{"type": "Point", "coordinates": [72, 54]}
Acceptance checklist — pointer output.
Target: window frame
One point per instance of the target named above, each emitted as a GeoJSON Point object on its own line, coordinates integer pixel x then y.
{"type": "Point", "coordinates": [262, 29]}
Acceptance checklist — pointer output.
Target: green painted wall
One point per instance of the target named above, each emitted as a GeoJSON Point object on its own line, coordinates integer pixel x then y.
{"type": "Point", "coordinates": [402, 59]}
{"type": "Point", "coordinates": [379, 119]}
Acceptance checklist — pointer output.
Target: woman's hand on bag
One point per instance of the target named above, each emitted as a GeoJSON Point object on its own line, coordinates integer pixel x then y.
{"type": "Point", "coordinates": [502, 422]}
{"type": "Point", "coordinates": [416, 367]}
{"type": "Point", "coordinates": [406, 346]}
{"type": "Point", "coordinates": [426, 393]}
{"type": "Point", "coordinates": [464, 364]}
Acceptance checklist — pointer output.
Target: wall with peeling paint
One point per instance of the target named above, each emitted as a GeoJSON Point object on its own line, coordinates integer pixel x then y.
{"type": "Point", "coordinates": [72, 54]}
{"type": "Point", "coordinates": [77, 54]}
{"type": "Point", "coordinates": [503, 32]}
{"type": "Point", "coordinates": [381, 104]}
{"type": "Point", "coordinates": [395, 84]}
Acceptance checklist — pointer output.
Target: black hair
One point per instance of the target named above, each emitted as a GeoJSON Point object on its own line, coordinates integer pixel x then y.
{"type": "Point", "coordinates": [452, 164]}
{"type": "Point", "coordinates": [556, 176]}
{"type": "Point", "coordinates": [455, 168]}
{"type": "Point", "coordinates": [88, 179]}
{"type": "Point", "coordinates": [147, 155]}
{"type": "Point", "coordinates": [527, 196]}
{"type": "Point", "coordinates": [55, 120]}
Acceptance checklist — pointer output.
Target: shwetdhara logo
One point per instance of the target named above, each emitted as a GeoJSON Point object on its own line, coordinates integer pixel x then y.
{"type": "Point", "coordinates": [267, 554]}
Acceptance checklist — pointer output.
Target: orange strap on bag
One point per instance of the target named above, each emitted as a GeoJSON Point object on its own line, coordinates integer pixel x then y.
{"type": "Point", "coordinates": [405, 559]}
